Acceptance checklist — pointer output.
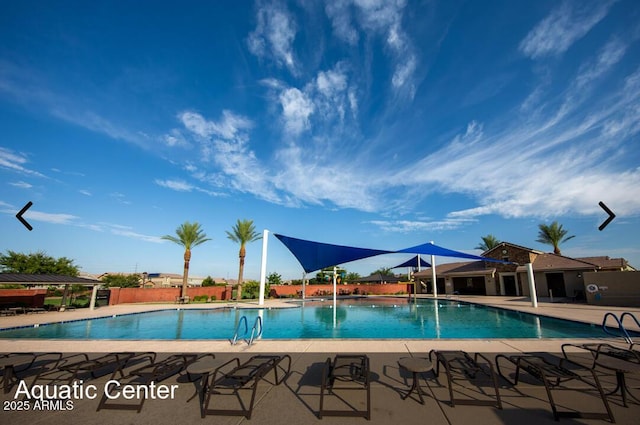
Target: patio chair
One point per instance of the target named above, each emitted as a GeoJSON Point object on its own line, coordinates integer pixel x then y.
{"type": "Point", "coordinates": [619, 360]}
{"type": "Point", "coordinates": [21, 366]}
{"type": "Point", "coordinates": [554, 376]}
{"type": "Point", "coordinates": [459, 365]}
{"type": "Point", "coordinates": [352, 371]}
{"type": "Point", "coordinates": [155, 371]}
{"type": "Point", "coordinates": [103, 365]}
{"type": "Point", "coordinates": [234, 376]}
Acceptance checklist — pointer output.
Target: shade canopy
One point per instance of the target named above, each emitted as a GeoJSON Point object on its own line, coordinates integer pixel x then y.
{"type": "Point", "coordinates": [317, 255]}
{"type": "Point", "coordinates": [413, 262]}
{"type": "Point", "coordinates": [433, 249]}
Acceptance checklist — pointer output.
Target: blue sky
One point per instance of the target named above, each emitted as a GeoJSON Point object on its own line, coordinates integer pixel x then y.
{"type": "Point", "coordinates": [371, 123]}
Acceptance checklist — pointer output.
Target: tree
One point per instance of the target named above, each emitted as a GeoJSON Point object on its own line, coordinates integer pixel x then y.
{"type": "Point", "coordinates": [208, 281]}
{"type": "Point", "coordinates": [274, 279]}
{"type": "Point", "coordinates": [243, 233]}
{"type": "Point", "coordinates": [351, 276]}
{"type": "Point", "coordinates": [384, 271]}
{"type": "Point", "coordinates": [488, 242]}
{"type": "Point", "coordinates": [37, 263]}
{"type": "Point", "coordinates": [122, 281]}
{"type": "Point", "coordinates": [189, 235]}
{"type": "Point", "coordinates": [553, 235]}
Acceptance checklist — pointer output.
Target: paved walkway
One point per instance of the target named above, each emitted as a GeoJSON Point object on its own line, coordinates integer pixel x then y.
{"type": "Point", "coordinates": [296, 400]}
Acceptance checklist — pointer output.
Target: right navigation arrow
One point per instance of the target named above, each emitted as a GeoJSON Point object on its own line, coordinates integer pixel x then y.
{"type": "Point", "coordinates": [608, 220]}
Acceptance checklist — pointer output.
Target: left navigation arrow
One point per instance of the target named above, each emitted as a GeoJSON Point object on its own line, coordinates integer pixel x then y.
{"type": "Point", "coordinates": [22, 211]}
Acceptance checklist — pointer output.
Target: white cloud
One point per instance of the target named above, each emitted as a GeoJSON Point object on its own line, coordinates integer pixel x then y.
{"type": "Point", "coordinates": [409, 226]}
{"type": "Point", "coordinates": [174, 138]}
{"type": "Point", "coordinates": [225, 142]}
{"type": "Point", "coordinates": [120, 198]}
{"type": "Point", "coordinates": [134, 235]}
{"type": "Point", "coordinates": [230, 125]}
{"type": "Point", "coordinates": [296, 109]}
{"type": "Point", "coordinates": [177, 185]}
{"type": "Point", "coordinates": [378, 18]}
{"type": "Point", "coordinates": [16, 162]}
{"type": "Point", "coordinates": [54, 218]}
{"type": "Point", "coordinates": [274, 35]}
{"type": "Point", "coordinates": [565, 25]}
{"type": "Point", "coordinates": [182, 186]}
{"type": "Point", "coordinates": [21, 184]}
{"type": "Point", "coordinates": [85, 192]}
{"type": "Point", "coordinates": [339, 12]}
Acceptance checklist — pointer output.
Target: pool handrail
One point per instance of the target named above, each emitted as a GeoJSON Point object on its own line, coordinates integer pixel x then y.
{"type": "Point", "coordinates": [257, 324]}
{"type": "Point", "coordinates": [621, 327]}
{"type": "Point", "coordinates": [242, 320]}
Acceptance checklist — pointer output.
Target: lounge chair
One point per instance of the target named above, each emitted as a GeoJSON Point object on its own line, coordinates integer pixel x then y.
{"type": "Point", "coordinates": [234, 376]}
{"type": "Point", "coordinates": [553, 376]}
{"type": "Point", "coordinates": [103, 365]}
{"type": "Point", "coordinates": [21, 366]}
{"type": "Point", "coordinates": [459, 365]}
{"type": "Point", "coordinates": [606, 356]}
{"type": "Point", "coordinates": [154, 372]}
{"type": "Point", "coordinates": [353, 372]}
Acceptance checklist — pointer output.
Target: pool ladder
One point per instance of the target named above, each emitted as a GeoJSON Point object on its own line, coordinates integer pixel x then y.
{"type": "Point", "coordinates": [256, 330]}
{"type": "Point", "coordinates": [621, 328]}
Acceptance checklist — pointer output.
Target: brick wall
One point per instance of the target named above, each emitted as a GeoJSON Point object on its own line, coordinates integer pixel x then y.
{"type": "Point", "coordinates": [315, 290]}
{"type": "Point", "coordinates": [156, 295]}
{"type": "Point", "coordinates": [22, 297]}
{"type": "Point", "coordinates": [151, 295]}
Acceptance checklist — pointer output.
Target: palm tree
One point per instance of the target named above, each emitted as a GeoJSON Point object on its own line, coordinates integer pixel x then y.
{"type": "Point", "coordinates": [189, 236]}
{"type": "Point", "coordinates": [243, 232]}
{"type": "Point", "coordinates": [553, 235]}
{"type": "Point", "coordinates": [488, 242]}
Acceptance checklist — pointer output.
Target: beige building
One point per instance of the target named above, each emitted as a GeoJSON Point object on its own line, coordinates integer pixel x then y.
{"type": "Point", "coordinates": [555, 275]}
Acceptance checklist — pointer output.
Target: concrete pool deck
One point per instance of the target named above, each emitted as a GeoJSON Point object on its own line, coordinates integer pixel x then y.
{"type": "Point", "coordinates": [296, 400]}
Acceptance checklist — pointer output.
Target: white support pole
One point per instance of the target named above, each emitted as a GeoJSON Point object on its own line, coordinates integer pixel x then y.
{"type": "Point", "coordinates": [434, 277]}
{"type": "Point", "coordinates": [532, 286]}
{"type": "Point", "coordinates": [94, 293]}
{"type": "Point", "coordinates": [263, 267]}
{"type": "Point", "coordinates": [335, 299]}
{"type": "Point", "coordinates": [304, 277]}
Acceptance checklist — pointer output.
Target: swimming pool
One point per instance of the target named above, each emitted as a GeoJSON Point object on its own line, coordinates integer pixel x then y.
{"type": "Point", "coordinates": [354, 318]}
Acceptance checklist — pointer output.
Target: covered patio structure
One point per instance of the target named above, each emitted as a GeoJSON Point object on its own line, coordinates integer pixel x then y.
{"type": "Point", "coordinates": [33, 281]}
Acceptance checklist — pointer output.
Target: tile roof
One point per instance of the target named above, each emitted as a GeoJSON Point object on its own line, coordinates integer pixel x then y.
{"type": "Point", "coordinates": [605, 262]}
{"type": "Point", "coordinates": [550, 261]}
{"type": "Point", "coordinates": [25, 278]}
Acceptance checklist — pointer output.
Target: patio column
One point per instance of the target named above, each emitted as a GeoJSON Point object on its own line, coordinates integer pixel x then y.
{"type": "Point", "coordinates": [532, 286]}
{"type": "Point", "coordinates": [94, 293]}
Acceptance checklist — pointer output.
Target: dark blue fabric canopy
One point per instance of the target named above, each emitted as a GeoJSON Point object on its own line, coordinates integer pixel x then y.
{"type": "Point", "coordinates": [413, 262]}
{"type": "Point", "coordinates": [432, 249]}
{"type": "Point", "coordinates": [316, 255]}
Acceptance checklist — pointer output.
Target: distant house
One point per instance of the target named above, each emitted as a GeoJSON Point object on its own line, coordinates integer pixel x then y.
{"type": "Point", "coordinates": [554, 275]}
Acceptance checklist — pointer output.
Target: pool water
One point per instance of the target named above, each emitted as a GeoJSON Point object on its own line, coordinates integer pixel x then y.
{"type": "Point", "coordinates": [353, 318]}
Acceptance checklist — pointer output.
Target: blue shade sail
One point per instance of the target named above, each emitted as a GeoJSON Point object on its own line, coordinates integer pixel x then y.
{"type": "Point", "coordinates": [316, 255]}
{"type": "Point", "coordinates": [413, 262]}
{"type": "Point", "coordinates": [432, 249]}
